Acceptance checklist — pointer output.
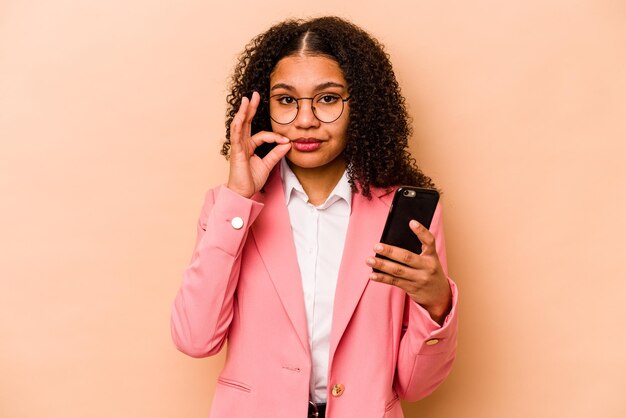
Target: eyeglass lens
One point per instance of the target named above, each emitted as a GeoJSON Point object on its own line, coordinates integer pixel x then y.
{"type": "Point", "coordinates": [327, 107]}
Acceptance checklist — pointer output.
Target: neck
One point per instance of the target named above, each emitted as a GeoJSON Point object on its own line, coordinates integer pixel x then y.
{"type": "Point", "coordinates": [318, 182]}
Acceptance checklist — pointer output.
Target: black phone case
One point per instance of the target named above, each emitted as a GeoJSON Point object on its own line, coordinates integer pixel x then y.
{"type": "Point", "coordinates": [409, 203]}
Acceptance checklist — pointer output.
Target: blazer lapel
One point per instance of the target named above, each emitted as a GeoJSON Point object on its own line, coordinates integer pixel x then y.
{"type": "Point", "coordinates": [367, 221]}
{"type": "Point", "coordinates": [274, 239]}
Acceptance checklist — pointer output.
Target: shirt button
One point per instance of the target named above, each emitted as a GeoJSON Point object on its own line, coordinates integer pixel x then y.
{"type": "Point", "coordinates": [237, 222]}
{"type": "Point", "coordinates": [434, 341]}
{"type": "Point", "coordinates": [338, 390]}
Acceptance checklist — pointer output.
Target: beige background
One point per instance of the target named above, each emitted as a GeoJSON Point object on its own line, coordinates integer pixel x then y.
{"type": "Point", "coordinates": [111, 118]}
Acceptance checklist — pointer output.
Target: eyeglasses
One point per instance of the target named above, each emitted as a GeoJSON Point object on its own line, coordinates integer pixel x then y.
{"type": "Point", "coordinates": [327, 107]}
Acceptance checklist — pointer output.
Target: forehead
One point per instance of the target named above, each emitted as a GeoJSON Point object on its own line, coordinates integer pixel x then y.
{"type": "Point", "coordinates": [305, 71]}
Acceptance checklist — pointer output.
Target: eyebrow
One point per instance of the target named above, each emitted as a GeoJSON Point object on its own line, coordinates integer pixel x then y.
{"type": "Point", "coordinates": [318, 87]}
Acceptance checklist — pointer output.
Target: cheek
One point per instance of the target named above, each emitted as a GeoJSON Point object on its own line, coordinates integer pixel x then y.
{"type": "Point", "coordinates": [342, 132]}
{"type": "Point", "coordinates": [345, 118]}
{"type": "Point", "coordinates": [277, 128]}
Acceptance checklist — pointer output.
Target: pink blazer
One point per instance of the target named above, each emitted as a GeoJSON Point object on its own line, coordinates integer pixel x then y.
{"type": "Point", "coordinates": [243, 287]}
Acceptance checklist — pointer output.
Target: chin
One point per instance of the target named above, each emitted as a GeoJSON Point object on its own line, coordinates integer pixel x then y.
{"type": "Point", "coordinates": [311, 161]}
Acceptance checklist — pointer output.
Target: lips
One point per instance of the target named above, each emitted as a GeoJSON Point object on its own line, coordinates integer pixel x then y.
{"type": "Point", "coordinates": [306, 144]}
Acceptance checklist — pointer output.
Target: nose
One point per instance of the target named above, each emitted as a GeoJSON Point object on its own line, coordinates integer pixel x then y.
{"type": "Point", "coordinates": [306, 118]}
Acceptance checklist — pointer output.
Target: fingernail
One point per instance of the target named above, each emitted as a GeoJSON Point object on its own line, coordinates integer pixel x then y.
{"type": "Point", "coordinates": [378, 248]}
{"type": "Point", "coordinates": [373, 276]}
{"type": "Point", "coordinates": [414, 223]}
{"type": "Point", "coordinates": [369, 261]}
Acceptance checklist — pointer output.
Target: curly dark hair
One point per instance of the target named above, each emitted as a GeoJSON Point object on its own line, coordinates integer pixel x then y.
{"type": "Point", "coordinates": [376, 152]}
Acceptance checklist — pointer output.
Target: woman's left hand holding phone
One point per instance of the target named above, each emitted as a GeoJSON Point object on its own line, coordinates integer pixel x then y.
{"type": "Point", "coordinates": [248, 172]}
{"type": "Point", "coordinates": [421, 276]}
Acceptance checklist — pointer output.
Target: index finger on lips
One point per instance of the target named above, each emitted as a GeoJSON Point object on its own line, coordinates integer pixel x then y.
{"type": "Point", "coordinates": [423, 234]}
{"type": "Point", "coordinates": [269, 137]}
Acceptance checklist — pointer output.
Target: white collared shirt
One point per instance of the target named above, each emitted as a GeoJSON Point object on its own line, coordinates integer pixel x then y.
{"type": "Point", "coordinates": [319, 233]}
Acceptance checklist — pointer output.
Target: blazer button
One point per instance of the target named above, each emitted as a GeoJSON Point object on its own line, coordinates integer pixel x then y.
{"type": "Point", "coordinates": [337, 390]}
{"type": "Point", "coordinates": [237, 222]}
{"type": "Point", "coordinates": [432, 342]}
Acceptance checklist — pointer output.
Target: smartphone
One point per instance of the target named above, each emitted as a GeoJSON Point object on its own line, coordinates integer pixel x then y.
{"type": "Point", "coordinates": [409, 203]}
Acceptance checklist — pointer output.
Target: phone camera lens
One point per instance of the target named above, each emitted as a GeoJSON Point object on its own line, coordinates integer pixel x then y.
{"type": "Point", "coordinates": [409, 193]}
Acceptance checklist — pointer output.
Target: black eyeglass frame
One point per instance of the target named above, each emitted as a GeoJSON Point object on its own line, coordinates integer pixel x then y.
{"type": "Point", "coordinates": [297, 99]}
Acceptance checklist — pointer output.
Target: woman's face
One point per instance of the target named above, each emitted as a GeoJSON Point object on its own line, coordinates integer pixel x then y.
{"type": "Point", "coordinates": [315, 144]}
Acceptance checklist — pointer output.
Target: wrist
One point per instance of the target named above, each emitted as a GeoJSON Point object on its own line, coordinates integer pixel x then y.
{"type": "Point", "coordinates": [239, 191]}
{"type": "Point", "coordinates": [439, 311]}
{"type": "Point", "coordinates": [439, 315]}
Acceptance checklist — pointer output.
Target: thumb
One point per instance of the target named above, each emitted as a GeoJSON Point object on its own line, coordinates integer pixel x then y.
{"type": "Point", "coordinates": [425, 237]}
{"type": "Point", "coordinates": [274, 156]}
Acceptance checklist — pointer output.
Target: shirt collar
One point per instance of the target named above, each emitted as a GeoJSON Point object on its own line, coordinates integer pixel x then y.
{"type": "Point", "coordinates": [291, 186]}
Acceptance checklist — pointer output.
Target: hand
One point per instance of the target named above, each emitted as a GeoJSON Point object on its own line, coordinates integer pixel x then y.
{"type": "Point", "coordinates": [248, 172]}
{"type": "Point", "coordinates": [419, 275]}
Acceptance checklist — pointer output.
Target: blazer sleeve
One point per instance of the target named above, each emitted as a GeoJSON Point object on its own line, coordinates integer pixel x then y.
{"type": "Point", "coordinates": [427, 350]}
{"type": "Point", "coordinates": [203, 308]}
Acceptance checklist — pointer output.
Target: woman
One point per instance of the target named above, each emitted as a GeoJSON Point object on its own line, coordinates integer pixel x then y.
{"type": "Point", "coordinates": [283, 266]}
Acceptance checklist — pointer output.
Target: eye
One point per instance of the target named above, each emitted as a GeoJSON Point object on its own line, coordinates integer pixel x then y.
{"type": "Point", "coordinates": [286, 100]}
{"type": "Point", "coordinates": [327, 98]}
